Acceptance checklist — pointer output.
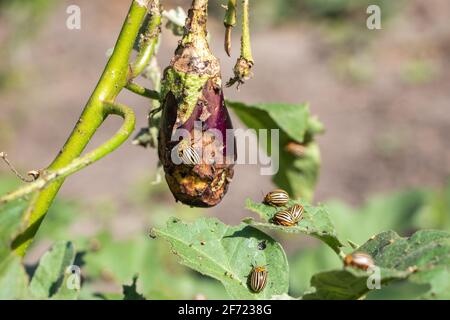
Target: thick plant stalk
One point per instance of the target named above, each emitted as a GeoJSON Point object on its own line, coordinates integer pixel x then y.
{"type": "Point", "coordinates": [117, 75]}
{"type": "Point", "coordinates": [193, 103]}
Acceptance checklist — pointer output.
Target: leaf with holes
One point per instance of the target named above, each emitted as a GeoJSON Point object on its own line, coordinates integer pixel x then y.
{"type": "Point", "coordinates": [227, 254]}
{"type": "Point", "coordinates": [315, 222]}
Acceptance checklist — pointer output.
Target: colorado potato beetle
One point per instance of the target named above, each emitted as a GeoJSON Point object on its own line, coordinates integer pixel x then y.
{"type": "Point", "coordinates": [359, 260]}
{"type": "Point", "coordinates": [277, 198]}
{"type": "Point", "coordinates": [258, 278]}
{"type": "Point", "coordinates": [297, 212]}
{"type": "Point", "coordinates": [188, 155]}
{"type": "Point", "coordinates": [284, 218]}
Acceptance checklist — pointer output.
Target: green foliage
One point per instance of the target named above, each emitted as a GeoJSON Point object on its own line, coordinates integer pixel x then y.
{"type": "Point", "coordinates": [298, 173]}
{"type": "Point", "coordinates": [228, 254]}
{"type": "Point", "coordinates": [315, 222]}
{"type": "Point", "coordinates": [48, 281]}
{"type": "Point", "coordinates": [434, 212]}
{"type": "Point", "coordinates": [121, 261]}
{"type": "Point", "coordinates": [51, 269]}
{"type": "Point", "coordinates": [138, 268]}
{"type": "Point", "coordinates": [395, 211]}
{"type": "Point", "coordinates": [423, 258]}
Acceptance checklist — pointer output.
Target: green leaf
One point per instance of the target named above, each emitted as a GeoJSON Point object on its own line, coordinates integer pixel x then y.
{"type": "Point", "coordinates": [423, 258]}
{"type": "Point", "coordinates": [227, 254]}
{"type": "Point", "coordinates": [50, 273]}
{"type": "Point", "coordinates": [298, 171]}
{"type": "Point", "coordinates": [292, 119]}
{"type": "Point", "coordinates": [316, 222]}
{"type": "Point", "coordinates": [13, 278]}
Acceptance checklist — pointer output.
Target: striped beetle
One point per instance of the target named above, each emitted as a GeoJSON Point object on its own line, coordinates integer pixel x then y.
{"type": "Point", "coordinates": [277, 198]}
{"type": "Point", "coordinates": [284, 218]}
{"type": "Point", "coordinates": [187, 154]}
{"type": "Point", "coordinates": [296, 212]}
{"type": "Point", "coordinates": [359, 260]}
{"type": "Point", "coordinates": [258, 278]}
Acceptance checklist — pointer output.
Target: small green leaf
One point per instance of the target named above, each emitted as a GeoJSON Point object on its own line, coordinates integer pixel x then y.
{"type": "Point", "coordinates": [316, 222]}
{"type": "Point", "coordinates": [423, 258]}
{"type": "Point", "coordinates": [50, 273]}
{"type": "Point", "coordinates": [227, 254]}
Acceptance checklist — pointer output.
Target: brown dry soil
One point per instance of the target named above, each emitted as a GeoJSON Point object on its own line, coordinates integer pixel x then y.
{"type": "Point", "coordinates": [383, 134]}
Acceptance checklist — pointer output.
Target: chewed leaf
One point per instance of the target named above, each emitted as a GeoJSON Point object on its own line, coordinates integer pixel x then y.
{"type": "Point", "coordinates": [315, 222]}
{"type": "Point", "coordinates": [423, 258]}
{"type": "Point", "coordinates": [227, 254]}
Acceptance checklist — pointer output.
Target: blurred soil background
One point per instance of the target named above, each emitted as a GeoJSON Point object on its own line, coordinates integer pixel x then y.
{"type": "Point", "coordinates": [383, 95]}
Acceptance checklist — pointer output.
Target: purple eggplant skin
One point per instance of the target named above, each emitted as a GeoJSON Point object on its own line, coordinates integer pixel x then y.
{"type": "Point", "coordinates": [202, 184]}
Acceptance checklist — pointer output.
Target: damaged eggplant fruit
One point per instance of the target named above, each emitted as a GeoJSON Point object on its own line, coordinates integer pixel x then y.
{"type": "Point", "coordinates": [194, 146]}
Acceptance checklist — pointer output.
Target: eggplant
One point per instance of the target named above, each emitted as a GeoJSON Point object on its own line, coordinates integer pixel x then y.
{"type": "Point", "coordinates": [196, 146]}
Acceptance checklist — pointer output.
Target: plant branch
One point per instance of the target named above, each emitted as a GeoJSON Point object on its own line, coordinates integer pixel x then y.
{"type": "Point", "coordinates": [148, 42]}
{"type": "Point", "coordinates": [246, 48]}
{"type": "Point", "coordinates": [80, 163]}
{"type": "Point", "coordinates": [135, 88]}
{"type": "Point", "coordinates": [114, 78]}
{"type": "Point", "coordinates": [32, 175]}
{"type": "Point", "coordinates": [244, 64]}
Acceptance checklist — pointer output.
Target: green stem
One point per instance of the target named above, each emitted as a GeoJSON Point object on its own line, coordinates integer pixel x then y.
{"type": "Point", "coordinates": [134, 87]}
{"type": "Point", "coordinates": [229, 22]}
{"type": "Point", "coordinates": [79, 163]}
{"type": "Point", "coordinates": [246, 48]}
{"type": "Point", "coordinates": [148, 42]}
{"type": "Point", "coordinates": [114, 78]}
